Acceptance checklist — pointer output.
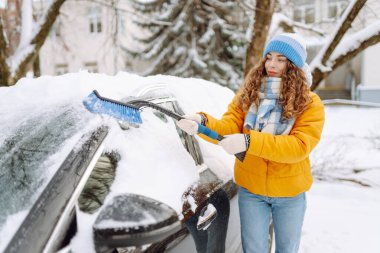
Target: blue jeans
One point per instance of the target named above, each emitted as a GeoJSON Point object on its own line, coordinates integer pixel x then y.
{"type": "Point", "coordinates": [287, 215]}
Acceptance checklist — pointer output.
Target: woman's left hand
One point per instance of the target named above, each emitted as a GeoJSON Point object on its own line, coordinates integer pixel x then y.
{"type": "Point", "coordinates": [234, 143]}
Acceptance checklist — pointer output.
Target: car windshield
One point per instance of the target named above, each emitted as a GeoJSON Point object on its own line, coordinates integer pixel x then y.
{"type": "Point", "coordinates": [39, 141]}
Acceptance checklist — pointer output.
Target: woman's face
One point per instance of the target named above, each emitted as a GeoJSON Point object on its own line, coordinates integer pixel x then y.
{"type": "Point", "coordinates": [275, 64]}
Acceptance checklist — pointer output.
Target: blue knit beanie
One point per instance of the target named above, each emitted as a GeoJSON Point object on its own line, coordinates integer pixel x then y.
{"type": "Point", "coordinates": [293, 47]}
{"type": "Point", "coordinates": [290, 45]}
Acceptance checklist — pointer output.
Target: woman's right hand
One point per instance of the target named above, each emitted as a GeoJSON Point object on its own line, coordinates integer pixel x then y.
{"type": "Point", "coordinates": [190, 123]}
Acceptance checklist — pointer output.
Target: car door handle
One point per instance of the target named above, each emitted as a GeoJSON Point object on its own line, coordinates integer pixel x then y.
{"type": "Point", "coordinates": [206, 217]}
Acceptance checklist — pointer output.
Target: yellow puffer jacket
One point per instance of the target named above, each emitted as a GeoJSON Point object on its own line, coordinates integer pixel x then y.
{"type": "Point", "coordinates": [275, 165]}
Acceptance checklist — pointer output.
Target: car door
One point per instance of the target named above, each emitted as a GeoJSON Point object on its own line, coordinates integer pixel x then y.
{"type": "Point", "coordinates": [210, 189]}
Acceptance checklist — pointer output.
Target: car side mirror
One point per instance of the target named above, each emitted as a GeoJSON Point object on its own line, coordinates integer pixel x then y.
{"type": "Point", "coordinates": [133, 220]}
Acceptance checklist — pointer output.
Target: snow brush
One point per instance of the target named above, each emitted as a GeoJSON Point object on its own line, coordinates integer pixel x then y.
{"type": "Point", "coordinates": [130, 112]}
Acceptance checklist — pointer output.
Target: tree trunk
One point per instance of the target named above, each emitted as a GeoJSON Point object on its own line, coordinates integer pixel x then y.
{"type": "Point", "coordinates": [8, 79]}
{"type": "Point", "coordinates": [36, 67]}
{"type": "Point", "coordinates": [4, 70]}
{"type": "Point", "coordinates": [263, 18]}
{"type": "Point", "coordinates": [38, 40]}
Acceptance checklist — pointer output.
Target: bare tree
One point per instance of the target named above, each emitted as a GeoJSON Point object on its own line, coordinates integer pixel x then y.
{"type": "Point", "coordinates": [14, 65]}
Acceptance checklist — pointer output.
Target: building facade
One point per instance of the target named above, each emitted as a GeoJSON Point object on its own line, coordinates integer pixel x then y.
{"type": "Point", "coordinates": [86, 36]}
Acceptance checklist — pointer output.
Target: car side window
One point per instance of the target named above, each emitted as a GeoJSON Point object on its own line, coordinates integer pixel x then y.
{"type": "Point", "coordinates": [188, 141]}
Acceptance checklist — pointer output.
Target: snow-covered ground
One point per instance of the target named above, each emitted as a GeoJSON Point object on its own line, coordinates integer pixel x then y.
{"type": "Point", "coordinates": [342, 214]}
{"type": "Point", "coordinates": [349, 150]}
{"type": "Point", "coordinates": [343, 210]}
{"type": "Point", "coordinates": [341, 218]}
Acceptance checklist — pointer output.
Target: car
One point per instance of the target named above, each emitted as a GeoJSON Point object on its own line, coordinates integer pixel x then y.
{"type": "Point", "coordinates": [70, 184]}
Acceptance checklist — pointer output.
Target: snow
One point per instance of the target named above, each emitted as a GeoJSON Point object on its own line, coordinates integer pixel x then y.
{"type": "Point", "coordinates": [353, 41]}
{"type": "Point", "coordinates": [26, 23]}
{"type": "Point", "coordinates": [349, 147]}
{"type": "Point", "coordinates": [20, 55]}
{"type": "Point", "coordinates": [83, 241]}
{"type": "Point", "coordinates": [358, 122]}
{"type": "Point", "coordinates": [279, 19]}
{"type": "Point", "coordinates": [341, 216]}
{"type": "Point", "coordinates": [142, 169]}
{"type": "Point", "coordinates": [10, 227]}
{"type": "Point", "coordinates": [344, 216]}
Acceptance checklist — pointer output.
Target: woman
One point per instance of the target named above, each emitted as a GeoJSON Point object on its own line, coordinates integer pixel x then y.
{"type": "Point", "coordinates": [277, 121]}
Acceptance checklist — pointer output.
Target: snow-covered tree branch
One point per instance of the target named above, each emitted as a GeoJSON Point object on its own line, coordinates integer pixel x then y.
{"type": "Point", "coordinates": [14, 66]}
{"type": "Point", "coordinates": [280, 21]}
{"type": "Point", "coordinates": [319, 65]}
{"type": "Point", "coordinates": [348, 48]}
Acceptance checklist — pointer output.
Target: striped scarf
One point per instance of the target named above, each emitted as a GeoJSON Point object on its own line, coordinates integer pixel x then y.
{"type": "Point", "coordinates": [267, 118]}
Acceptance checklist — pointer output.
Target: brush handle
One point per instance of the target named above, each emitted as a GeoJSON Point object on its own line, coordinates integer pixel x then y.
{"type": "Point", "coordinates": [210, 133]}
{"type": "Point", "coordinates": [139, 103]}
{"type": "Point", "coordinates": [215, 136]}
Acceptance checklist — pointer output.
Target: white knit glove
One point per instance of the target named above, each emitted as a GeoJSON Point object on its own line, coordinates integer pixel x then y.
{"type": "Point", "coordinates": [234, 143]}
{"type": "Point", "coordinates": [190, 123]}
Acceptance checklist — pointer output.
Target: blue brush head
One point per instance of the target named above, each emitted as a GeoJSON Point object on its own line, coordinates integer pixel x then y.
{"type": "Point", "coordinates": [96, 104]}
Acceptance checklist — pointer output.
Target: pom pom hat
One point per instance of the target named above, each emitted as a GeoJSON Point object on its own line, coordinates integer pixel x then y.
{"type": "Point", "coordinates": [293, 47]}
{"type": "Point", "coordinates": [290, 45]}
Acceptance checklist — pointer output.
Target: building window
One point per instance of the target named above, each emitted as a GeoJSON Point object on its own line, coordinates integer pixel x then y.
{"type": "Point", "coordinates": [335, 8]}
{"type": "Point", "coordinates": [310, 15]}
{"type": "Point", "coordinates": [61, 69]}
{"type": "Point", "coordinates": [95, 18]}
{"type": "Point", "coordinates": [303, 2]}
{"type": "Point", "coordinates": [121, 22]}
{"type": "Point", "coordinates": [91, 67]}
{"type": "Point", "coordinates": [56, 29]}
{"type": "Point", "coordinates": [12, 6]}
{"type": "Point", "coordinates": [3, 4]}
{"type": "Point", "coordinates": [304, 13]}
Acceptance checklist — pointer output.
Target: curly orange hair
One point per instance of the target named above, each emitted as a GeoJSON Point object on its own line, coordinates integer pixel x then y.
{"type": "Point", "coordinates": [294, 95]}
